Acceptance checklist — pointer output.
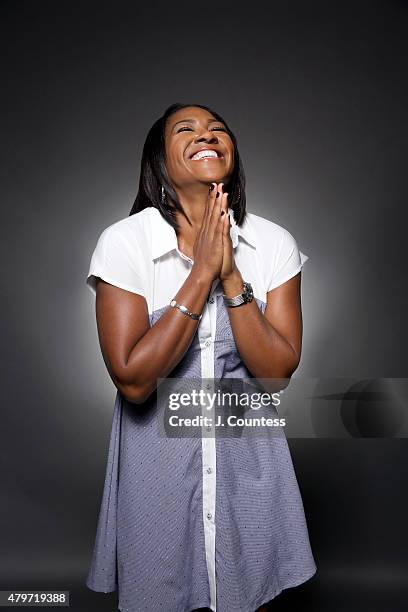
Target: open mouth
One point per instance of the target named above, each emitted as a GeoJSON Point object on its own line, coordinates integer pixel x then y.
{"type": "Point", "coordinates": [208, 154]}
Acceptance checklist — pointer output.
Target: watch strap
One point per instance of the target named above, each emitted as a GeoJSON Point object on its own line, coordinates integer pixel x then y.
{"type": "Point", "coordinates": [242, 298]}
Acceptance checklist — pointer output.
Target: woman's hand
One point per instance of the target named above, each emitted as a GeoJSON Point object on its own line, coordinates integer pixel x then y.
{"type": "Point", "coordinates": [208, 250]}
{"type": "Point", "coordinates": [229, 267]}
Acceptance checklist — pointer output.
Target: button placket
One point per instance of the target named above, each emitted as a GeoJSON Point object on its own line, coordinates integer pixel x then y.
{"type": "Point", "coordinates": [206, 333]}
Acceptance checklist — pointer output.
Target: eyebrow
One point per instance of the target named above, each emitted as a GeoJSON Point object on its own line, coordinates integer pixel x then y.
{"type": "Point", "coordinates": [194, 121]}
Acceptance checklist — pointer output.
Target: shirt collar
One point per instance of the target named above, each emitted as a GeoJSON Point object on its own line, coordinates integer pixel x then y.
{"type": "Point", "coordinates": [164, 238]}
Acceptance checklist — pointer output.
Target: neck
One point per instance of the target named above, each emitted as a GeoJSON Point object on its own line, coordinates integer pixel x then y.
{"type": "Point", "coordinates": [193, 200]}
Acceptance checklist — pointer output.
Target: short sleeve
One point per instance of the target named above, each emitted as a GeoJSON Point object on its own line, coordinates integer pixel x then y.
{"type": "Point", "coordinates": [288, 263]}
{"type": "Point", "coordinates": [118, 262]}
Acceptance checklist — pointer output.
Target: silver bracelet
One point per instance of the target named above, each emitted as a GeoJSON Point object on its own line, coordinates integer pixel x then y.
{"type": "Point", "coordinates": [185, 310]}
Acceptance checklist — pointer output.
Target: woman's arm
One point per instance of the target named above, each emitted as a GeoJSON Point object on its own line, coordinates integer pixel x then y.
{"type": "Point", "coordinates": [270, 344]}
{"type": "Point", "coordinates": [136, 354]}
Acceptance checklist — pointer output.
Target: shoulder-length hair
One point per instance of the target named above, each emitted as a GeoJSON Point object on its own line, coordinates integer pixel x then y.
{"type": "Point", "coordinates": [153, 174]}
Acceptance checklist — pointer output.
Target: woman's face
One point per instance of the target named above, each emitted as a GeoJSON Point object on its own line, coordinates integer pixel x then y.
{"type": "Point", "coordinates": [188, 131]}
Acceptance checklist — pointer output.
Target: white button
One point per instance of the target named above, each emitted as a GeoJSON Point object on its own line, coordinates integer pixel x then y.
{"type": "Point", "coordinates": [208, 428]}
{"type": "Point", "coordinates": [211, 300]}
{"type": "Point", "coordinates": [207, 343]}
{"type": "Point", "coordinates": [209, 470]}
{"type": "Point", "coordinates": [209, 515]}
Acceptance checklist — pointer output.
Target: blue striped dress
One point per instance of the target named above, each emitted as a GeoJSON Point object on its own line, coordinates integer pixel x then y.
{"type": "Point", "coordinates": [195, 521]}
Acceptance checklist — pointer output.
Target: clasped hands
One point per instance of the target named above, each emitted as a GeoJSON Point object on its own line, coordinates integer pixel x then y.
{"type": "Point", "coordinates": [213, 250]}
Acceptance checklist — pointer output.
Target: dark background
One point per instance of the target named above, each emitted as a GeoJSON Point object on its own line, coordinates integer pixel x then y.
{"type": "Point", "coordinates": [316, 93]}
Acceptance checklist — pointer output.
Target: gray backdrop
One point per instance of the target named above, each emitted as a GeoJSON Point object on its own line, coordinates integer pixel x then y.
{"type": "Point", "coordinates": [316, 93]}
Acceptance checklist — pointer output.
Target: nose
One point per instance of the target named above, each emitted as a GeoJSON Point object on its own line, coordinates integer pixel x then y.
{"type": "Point", "coordinates": [207, 136]}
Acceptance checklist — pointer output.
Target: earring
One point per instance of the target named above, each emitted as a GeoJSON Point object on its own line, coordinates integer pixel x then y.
{"type": "Point", "coordinates": [163, 195]}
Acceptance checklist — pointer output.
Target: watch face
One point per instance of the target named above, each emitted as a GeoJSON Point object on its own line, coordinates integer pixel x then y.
{"type": "Point", "coordinates": [248, 293]}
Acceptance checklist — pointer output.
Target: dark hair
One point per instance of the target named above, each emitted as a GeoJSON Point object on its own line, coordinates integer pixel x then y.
{"type": "Point", "coordinates": [153, 174]}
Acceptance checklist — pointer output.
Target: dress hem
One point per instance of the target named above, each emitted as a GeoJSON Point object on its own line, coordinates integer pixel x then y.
{"type": "Point", "coordinates": [265, 598]}
{"type": "Point", "coordinates": [99, 589]}
{"type": "Point", "coordinates": [288, 585]}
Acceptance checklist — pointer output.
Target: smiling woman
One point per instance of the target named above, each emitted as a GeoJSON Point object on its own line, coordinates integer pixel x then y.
{"type": "Point", "coordinates": [193, 288]}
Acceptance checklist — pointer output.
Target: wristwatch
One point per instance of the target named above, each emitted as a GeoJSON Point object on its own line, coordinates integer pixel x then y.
{"type": "Point", "coordinates": [242, 298]}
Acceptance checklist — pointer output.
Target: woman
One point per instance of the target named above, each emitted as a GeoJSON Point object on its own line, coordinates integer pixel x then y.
{"type": "Point", "coordinates": [190, 285]}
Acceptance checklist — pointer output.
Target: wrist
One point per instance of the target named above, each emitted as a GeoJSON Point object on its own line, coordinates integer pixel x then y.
{"type": "Point", "coordinates": [233, 284]}
{"type": "Point", "coordinates": [201, 276]}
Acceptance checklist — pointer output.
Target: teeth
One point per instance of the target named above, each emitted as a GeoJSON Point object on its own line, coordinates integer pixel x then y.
{"type": "Point", "coordinates": [207, 153]}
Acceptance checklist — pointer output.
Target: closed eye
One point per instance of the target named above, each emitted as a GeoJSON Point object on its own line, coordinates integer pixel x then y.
{"type": "Point", "coordinates": [182, 129]}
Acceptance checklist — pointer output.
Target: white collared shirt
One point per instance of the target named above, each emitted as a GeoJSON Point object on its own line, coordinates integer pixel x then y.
{"type": "Point", "coordinates": [140, 254]}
